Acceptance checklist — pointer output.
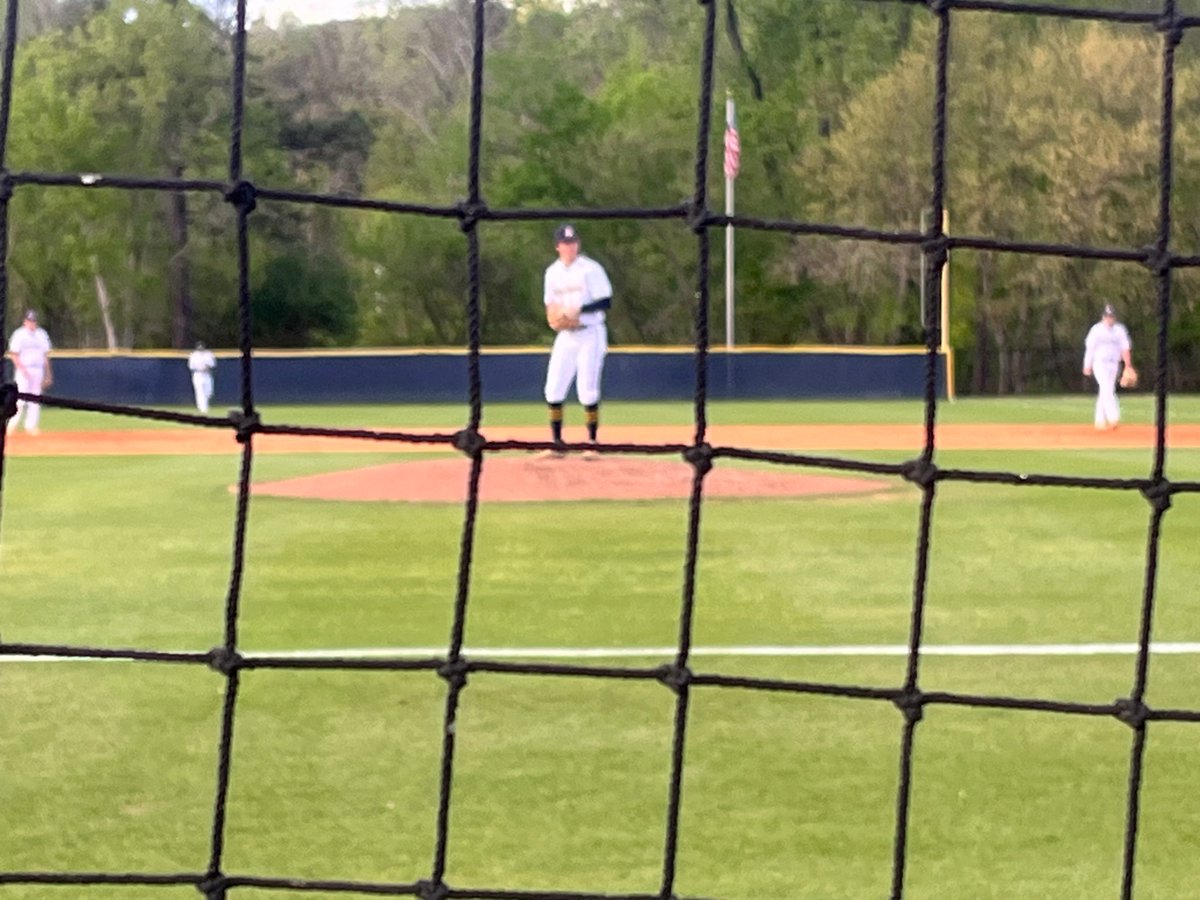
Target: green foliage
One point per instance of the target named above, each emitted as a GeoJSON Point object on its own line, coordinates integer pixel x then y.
{"type": "Point", "coordinates": [137, 90]}
{"type": "Point", "coordinates": [1051, 137]}
{"type": "Point", "coordinates": [400, 303]}
{"type": "Point", "coordinates": [300, 301]}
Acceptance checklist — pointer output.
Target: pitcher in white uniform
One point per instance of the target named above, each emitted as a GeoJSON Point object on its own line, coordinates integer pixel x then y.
{"type": "Point", "coordinates": [579, 283]}
{"type": "Point", "coordinates": [1105, 348]}
{"type": "Point", "coordinates": [29, 350]}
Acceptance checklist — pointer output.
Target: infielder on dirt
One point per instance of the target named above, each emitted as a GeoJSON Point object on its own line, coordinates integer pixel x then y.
{"type": "Point", "coordinates": [577, 292]}
{"type": "Point", "coordinates": [1105, 348]}
{"type": "Point", "coordinates": [29, 349]}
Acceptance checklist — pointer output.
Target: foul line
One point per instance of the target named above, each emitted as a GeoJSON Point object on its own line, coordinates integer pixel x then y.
{"type": "Point", "coordinates": [845, 650]}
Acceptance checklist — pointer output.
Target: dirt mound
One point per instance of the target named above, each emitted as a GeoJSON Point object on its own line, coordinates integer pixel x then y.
{"type": "Point", "coordinates": [515, 478]}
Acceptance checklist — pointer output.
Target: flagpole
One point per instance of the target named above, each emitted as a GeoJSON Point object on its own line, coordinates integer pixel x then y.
{"type": "Point", "coordinates": [729, 118]}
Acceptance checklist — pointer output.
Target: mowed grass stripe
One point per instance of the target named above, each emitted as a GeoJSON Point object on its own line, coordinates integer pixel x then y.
{"type": "Point", "coordinates": [1136, 408]}
{"type": "Point", "coordinates": [561, 783]}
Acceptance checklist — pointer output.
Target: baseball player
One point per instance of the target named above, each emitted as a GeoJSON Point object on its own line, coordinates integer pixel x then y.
{"type": "Point", "coordinates": [29, 349]}
{"type": "Point", "coordinates": [577, 292]}
{"type": "Point", "coordinates": [1106, 347]}
{"type": "Point", "coordinates": [201, 362]}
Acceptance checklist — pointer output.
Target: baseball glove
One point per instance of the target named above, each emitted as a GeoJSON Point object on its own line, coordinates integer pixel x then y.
{"type": "Point", "coordinates": [1129, 378]}
{"type": "Point", "coordinates": [561, 317]}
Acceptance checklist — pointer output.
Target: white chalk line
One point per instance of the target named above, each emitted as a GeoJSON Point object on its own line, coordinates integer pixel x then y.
{"type": "Point", "coordinates": [769, 651]}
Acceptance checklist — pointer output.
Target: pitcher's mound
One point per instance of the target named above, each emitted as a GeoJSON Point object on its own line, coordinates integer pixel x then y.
{"type": "Point", "coordinates": [526, 478]}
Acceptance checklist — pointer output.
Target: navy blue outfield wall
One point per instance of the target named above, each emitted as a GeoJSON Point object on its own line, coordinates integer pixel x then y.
{"type": "Point", "coordinates": [440, 376]}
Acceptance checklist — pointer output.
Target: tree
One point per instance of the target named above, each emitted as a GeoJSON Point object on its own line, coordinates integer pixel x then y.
{"type": "Point", "coordinates": [1049, 138]}
{"type": "Point", "coordinates": [300, 301]}
{"type": "Point", "coordinates": [141, 89]}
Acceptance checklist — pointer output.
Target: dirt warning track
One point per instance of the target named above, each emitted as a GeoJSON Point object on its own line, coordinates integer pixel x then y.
{"type": "Point", "coordinates": [800, 438]}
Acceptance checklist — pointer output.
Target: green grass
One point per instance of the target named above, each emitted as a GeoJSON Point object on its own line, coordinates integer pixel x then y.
{"type": "Point", "coordinates": [561, 783]}
{"type": "Point", "coordinates": [1136, 408]}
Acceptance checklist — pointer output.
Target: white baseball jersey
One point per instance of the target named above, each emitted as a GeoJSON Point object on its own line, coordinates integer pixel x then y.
{"type": "Point", "coordinates": [577, 285]}
{"type": "Point", "coordinates": [1104, 346]}
{"type": "Point", "coordinates": [202, 361]}
{"type": "Point", "coordinates": [31, 348]}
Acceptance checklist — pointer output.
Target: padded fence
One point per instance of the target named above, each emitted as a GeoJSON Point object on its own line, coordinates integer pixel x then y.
{"type": "Point", "coordinates": [439, 376]}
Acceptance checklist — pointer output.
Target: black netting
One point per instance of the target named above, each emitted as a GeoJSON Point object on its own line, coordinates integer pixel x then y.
{"type": "Point", "coordinates": [679, 677]}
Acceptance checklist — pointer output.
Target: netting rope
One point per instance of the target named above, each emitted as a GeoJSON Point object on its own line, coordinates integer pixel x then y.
{"type": "Point", "coordinates": [678, 676]}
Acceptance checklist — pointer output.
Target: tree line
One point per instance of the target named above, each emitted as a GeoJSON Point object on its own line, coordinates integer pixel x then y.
{"type": "Point", "coordinates": [1053, 130]}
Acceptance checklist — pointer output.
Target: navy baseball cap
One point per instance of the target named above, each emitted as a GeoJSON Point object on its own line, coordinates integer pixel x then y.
{"type": "Point", "coordinates": [566, 234]}
{"type": "Point", "coordinates": [1110, 310]}
{"type": "Point", "coordinates": [30, 315]}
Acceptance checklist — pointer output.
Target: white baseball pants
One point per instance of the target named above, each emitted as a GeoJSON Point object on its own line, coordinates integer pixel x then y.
{"type": "Point", "coordinates": [30, 383]}
{"type": "Point", "coordinates": [202, 386]}
{"type": "Point", "coordinates": [577, 355]}
{"type": "Point", "coordinates": [1108, 410]}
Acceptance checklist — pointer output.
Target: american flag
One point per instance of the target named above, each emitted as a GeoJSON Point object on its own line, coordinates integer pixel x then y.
{"type": "Point", "coordinates": [733, 147]}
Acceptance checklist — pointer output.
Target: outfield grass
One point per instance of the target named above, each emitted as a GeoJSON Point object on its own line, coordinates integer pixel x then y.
{"type": "Point", "coordinates": [1136, 408]}
{"type": "Point", "coordinates": [561, 783]}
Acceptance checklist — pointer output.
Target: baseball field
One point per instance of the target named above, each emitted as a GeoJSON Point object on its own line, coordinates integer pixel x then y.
{"type": "Point", "coordinates": [118, 533]}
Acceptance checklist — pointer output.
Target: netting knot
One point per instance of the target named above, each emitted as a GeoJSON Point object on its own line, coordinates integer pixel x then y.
{"type": "Point", "coordinates": [213, 886]}
{"type": "Point", "coordinates": [912, 704]}
{"type": "Point", "coordinates": [469, 214]}
{"type": "Point", "coordinates": [247, 423]}
{"type": "Point", "coordinates": [429, 890]}
{"type": "Point", "coordinates": [243, 196]}
{"type": "Point", "coordinates": [1171, 28]}
{"type": "Point", "coordinates": [1156, 260]}
{"type": "Point", "coordinates": [675, 676]}
{"type": "Point", "coordinates": [1133, 713]}
{"type": "Point", "coordinates": [469, 441]}
{"type": "Point", "coordinates": [8, 400]}
{"type": "Point", "coordinates": [224, 660]}
{"type": "Point", "coordinates": [920, 471]}
{"type": "Point", "coordinates": [6, 186]}
{"type": "Point", "coordinates": [455, 673]}
{"type": "Point", "coordinates": [700, 456]}
{"type": "Point", "coordinates": [938, 6]}
{"type": "Point", "coordinates": [936, 250]}
{"type": "Point", "coordinates": [1159, 494]}
{"type": "Point", "coordinates": [698, 217]}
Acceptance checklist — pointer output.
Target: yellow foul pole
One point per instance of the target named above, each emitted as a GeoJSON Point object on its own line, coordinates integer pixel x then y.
{"type": "Point", "coordinates": [946, 350]}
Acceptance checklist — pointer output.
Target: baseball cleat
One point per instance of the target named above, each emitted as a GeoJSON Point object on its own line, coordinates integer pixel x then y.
{"type": "Point", "coordinates": [550, 454]}
{"type": "Point", "coordinates": [591, 455]}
